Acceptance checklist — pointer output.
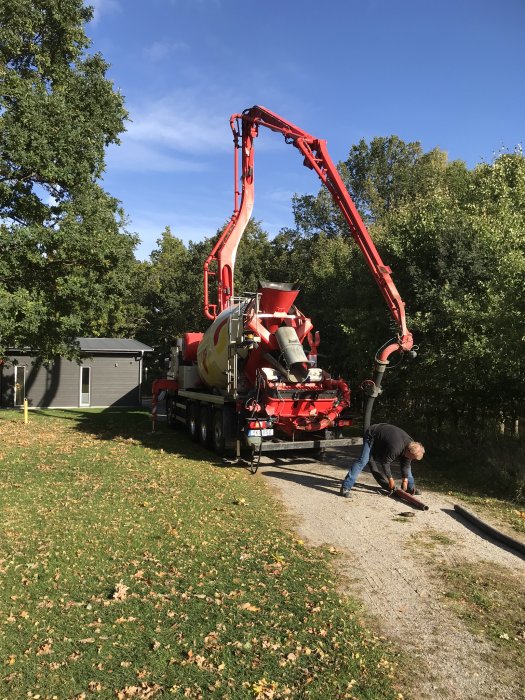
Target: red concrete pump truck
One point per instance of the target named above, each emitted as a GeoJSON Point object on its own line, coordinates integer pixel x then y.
{"type": "Point", "coordinates": [247, 381]}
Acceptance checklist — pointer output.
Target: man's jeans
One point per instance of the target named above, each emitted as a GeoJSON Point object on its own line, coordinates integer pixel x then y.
{"type": "Point", "coordinates": [360, 463]}
{"type": "Point", "coordinates": [410, 478]}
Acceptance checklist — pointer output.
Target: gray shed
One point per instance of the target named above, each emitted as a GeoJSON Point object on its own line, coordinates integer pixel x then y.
{"type": "Point", "coordinates": [109, 373]}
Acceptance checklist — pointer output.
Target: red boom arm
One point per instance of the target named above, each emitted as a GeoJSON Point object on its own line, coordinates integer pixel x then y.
{"type": "Point", "coordinates": [317, 158]}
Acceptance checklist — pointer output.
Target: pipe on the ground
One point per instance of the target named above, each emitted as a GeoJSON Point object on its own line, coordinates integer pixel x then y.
{"type": "Point", "coordinates": [404, 496]}
{"type": "Point", "coordinates": [496, 534]}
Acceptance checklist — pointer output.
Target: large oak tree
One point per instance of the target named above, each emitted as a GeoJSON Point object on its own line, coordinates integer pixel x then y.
{"type": "Point", "coordinates": [65, 257]}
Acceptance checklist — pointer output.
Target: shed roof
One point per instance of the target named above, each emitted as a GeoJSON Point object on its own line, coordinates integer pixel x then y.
{"type": "Point", "coordinates": [112, 345]}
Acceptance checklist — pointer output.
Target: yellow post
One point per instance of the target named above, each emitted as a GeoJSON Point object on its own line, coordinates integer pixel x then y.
{"type": "Point", "coordinates": [25, 411]}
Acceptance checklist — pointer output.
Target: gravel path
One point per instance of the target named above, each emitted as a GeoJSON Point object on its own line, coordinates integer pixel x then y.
{"type": "Point", "coordinates": [380, 568]}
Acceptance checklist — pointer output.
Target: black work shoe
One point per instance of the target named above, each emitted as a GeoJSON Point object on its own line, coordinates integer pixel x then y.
{"type": "Point", "coordinates": [414, 492]}
{"type": "Point", "coordinates": [345, 493]}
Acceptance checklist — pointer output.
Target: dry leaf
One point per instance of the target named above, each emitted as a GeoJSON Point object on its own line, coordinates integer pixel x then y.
{"type": "Point", "coordinates": [120, 592]}
{"type": "Point", "coordinates": [249, 607]}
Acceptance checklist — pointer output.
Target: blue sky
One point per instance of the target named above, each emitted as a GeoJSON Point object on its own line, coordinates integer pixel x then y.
{"type": "Point", "coordinates": [449, 74]}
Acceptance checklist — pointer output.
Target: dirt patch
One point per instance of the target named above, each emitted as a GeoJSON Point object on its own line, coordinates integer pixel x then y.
{"type": "Point", "coordinates": [380, 565]}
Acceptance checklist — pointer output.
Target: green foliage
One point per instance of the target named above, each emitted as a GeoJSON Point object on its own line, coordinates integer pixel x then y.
{"type": "Point", "coordinates": [455, 239]}
{"type": "Point", "coordinates": [379, 175]}
{"type": "Point", "coordinates": [460, 251]}
{"type": "Point", "coordinates": [255, 259]}
{"type": "Point", "coordinates": [66, 260]}
{"type": "Point", "coordinates": [170, 291]}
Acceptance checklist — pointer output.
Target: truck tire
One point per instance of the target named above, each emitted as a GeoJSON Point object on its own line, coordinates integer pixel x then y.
{"type": "Point", "coordinates": [223, 431]}
{"type": "Point", "coordinates": [170, 412]}
{"type": "Point", "coordinates": [192, 421]}
{"type": "Point", "coordinates": [205, 426]}
{"type": "Point", "coordinates": [218, 440]}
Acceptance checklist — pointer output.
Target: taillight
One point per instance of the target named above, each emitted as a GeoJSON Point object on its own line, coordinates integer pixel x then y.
{"type": "Point", "coordinates": [258, 424]}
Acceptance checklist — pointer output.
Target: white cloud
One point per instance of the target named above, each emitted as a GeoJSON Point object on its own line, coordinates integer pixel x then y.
{"type": "Point", "coordinates": [181, 123]}
{"type": "Point", "coordinates": [177, 133]}
{"type": "Point", "coordinates": [136, 156]}
{"type": "Point", "coordinates": [181, 132]}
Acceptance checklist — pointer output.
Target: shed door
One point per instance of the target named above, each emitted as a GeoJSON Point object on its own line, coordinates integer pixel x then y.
{"type": "Point", "coordinates": [85, 386]}
{"type": "Point", "coordinates": [20, 384]}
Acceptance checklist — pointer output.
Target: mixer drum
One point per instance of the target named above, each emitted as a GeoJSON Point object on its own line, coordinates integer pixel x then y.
{"type": "Point", "coordinates": [212, 353]}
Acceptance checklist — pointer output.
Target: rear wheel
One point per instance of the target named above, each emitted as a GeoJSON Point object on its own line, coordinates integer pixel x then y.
{"type": "Point", "coordinates": [218, 440]}
{"type": "Point", "coordinates": [192, 421]}
{"type": "Point", "coordinates": [224, 433]}
{"type": "Point", "coordinates": [205, 427]}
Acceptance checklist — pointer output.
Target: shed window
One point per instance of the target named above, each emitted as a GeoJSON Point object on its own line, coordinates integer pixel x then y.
{"type": "Point", "coordinates": [85, 386]}
{"type": "Point", "coordinates": [20, 384]}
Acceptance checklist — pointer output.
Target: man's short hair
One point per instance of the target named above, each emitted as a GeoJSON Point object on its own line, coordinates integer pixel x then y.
{"type": "Point", "coordinates": [416, 450]}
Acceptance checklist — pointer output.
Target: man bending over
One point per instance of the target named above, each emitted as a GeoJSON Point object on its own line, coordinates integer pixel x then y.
{"type": "Point", "coordinates": [383, 443]}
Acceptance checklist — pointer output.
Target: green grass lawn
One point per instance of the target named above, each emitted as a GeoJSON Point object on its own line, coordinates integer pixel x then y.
{"type": "Point", "coordinates": [135, 566]}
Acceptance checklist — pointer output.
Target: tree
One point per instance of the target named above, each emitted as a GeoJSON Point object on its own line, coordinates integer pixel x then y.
{"type": "Point", "coordinates": [254, 259]}
{"type": "Point", "coordinates": [65, 258]}
{"type": "Point", "coordinates": [378, 176]}
{"type": "Point", "coordinates": [167, 292]}
{"type": "Point", "coordinates": [455, 241]}
{"type": "Point", "coordinates": [457, 246]}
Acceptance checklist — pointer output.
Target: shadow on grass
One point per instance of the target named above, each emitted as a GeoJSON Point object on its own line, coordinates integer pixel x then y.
{"type": "Point", "coordinates": [134, 425]}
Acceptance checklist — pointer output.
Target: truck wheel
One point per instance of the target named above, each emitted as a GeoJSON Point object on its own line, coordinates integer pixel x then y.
{"type": "Point", "coordinates": [205, 426]}
{"type": "Point", "coordinates": [218, 441]}
{"type": "Point", "coordinates": [192, 421]}
{"type": "Point", "coordinates": [223, 432]}
{"type": "Point", "coordinates": [170, 412]}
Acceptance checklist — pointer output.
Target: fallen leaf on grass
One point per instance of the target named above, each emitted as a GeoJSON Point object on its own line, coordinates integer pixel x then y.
{"type": "Point", "coordinates": [120, 592]}
{"type": "Point", "coordinates": [144, 690]}
{"type": "Point", "coordinates": [264, 689]}
{"type": "Point", "coordinates": [249, 607]}
{"type": "Point", "coordinates": [121, 620]}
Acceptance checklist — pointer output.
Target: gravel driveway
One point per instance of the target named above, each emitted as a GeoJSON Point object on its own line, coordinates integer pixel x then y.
{"type": "Point", "coordinates": [379, 567]}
